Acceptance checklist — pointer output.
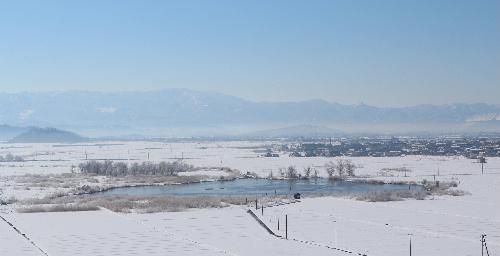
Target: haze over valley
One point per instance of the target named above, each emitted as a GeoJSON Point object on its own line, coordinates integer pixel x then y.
{"type": "Point", "coordinates": [182, 112]}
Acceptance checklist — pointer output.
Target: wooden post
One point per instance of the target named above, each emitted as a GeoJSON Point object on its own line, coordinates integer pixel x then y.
{"type": "Point", "coordinates": [410, 245]}
{"type": "Point", "coordinates": [262, 210]}
{"type": "Point", "coordinates": [278, 223]}
{"type": "Point", "coordinates": [286, 227]}
{"type": "Point", "coordinates": [256, 204]}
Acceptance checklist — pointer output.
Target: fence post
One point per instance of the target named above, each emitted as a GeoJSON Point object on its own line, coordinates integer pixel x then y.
{"type": "Point", "coordinates": [410, 245]}
{"type": "Point", "coordinates": [286, 227]}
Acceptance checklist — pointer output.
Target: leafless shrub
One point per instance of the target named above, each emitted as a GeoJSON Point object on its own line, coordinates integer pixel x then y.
{"type": "Point", "coordinates": [126, 204]}
{"type": "Point", "coordinates": [10, 200]}
{"type": "Point", "coordinates": [58, 208]}
{"type": "Point", "coordinates": [385, 196]}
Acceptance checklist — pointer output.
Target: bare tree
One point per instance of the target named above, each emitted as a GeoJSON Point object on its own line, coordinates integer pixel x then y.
{"type": "Point", "coordinates": [282, 172]}
{"type": "Point", "coordinates": [270, 176]}
{"type": "Point", "coordinates": [291, 172]}
{"type": "Point", "coordinates": [315, 174]}
{"type": "Point", "coordinates": [341, 167]}
{"type": "Point", "coordinates": [307, 172]}
{"type": "Point", "coordinates": [121, 169]}
{"type": "Point", "coordinates": [350, 168]}
{"type": "Point", "coordinates": [330, 168]}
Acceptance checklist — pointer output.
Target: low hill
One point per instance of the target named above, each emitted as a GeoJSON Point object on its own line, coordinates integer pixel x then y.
{"type": "Point", "coordinates": [8, 132]}
{"type": "Point", "coordinates": [47, 135]}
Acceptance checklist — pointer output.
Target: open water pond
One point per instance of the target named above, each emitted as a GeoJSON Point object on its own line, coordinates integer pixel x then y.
{"type": "Point", "coordinates": [249, 187]}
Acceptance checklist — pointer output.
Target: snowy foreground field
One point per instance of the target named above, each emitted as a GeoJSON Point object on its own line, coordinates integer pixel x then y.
{"type": "Point", "coordinates": [439, 225]}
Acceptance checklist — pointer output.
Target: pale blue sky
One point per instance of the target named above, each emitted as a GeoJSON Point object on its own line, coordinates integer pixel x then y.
{"type": "Point", "coordinates": [385, 53]}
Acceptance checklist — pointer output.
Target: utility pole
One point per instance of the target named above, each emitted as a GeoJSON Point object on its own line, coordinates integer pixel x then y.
{"type": "Point", "coordinates": [482, 160]}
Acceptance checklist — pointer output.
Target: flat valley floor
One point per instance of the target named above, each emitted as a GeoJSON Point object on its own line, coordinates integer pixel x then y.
{"type": "Point", "coordinates": [439, 225]}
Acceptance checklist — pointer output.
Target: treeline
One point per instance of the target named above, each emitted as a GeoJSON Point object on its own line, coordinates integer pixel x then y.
{"type": "Point", "coordinates": [11, 158]}
{"type": "Point", "coordinates": [110, 168]}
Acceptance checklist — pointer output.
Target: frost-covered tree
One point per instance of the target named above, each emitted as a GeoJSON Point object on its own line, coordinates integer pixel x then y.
{"type": "Point", "coordinates": [350, 168]}
{"type": "Point", "coordinates": [291, 172]}
{"type": "Point", "coordinates": [270, 175]}
{"type": "Point", "coordinates": [282, 172]}
{"type": "Point", "coordinates": [307, 172]}
{"type": "Point", "coordinates": [340, 167]}
{"type": "Point", "coordinates": [330, 168]}
{"type": "Point", "coordinates": [315, 174]}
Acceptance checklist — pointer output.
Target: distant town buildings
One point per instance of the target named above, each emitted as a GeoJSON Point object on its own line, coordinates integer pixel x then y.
{"type": "Point", "coordinates": [470, 147]}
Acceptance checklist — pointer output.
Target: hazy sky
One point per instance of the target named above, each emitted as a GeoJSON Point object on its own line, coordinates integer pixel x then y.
{"type": "Point", "coordinates": [386, 53]}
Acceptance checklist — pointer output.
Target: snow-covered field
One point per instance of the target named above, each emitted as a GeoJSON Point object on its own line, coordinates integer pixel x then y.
{"type": "Point", "coordinates": [442, 225]}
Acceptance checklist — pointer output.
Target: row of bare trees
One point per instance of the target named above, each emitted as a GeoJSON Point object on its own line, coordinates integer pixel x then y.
{"type": "Point", "coordinates": [339, 169]}
{"type": "Point", "coordinates": [291, 172]}
{"type": "Point", "coordinates": [110, 168]}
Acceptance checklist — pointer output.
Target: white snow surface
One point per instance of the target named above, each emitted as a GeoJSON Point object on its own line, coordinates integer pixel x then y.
{"type": "Point", "coordinates": [441, 225]}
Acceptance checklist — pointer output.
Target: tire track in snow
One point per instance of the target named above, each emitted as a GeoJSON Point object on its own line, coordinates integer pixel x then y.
{"type": "Point", "coordinates": [23, 235]}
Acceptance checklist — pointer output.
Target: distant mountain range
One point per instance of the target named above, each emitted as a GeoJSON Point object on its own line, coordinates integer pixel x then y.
{"type": "Point", "coordinates": [180, 112]}
{"type": "Point", "coordinates": [294, 131]}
